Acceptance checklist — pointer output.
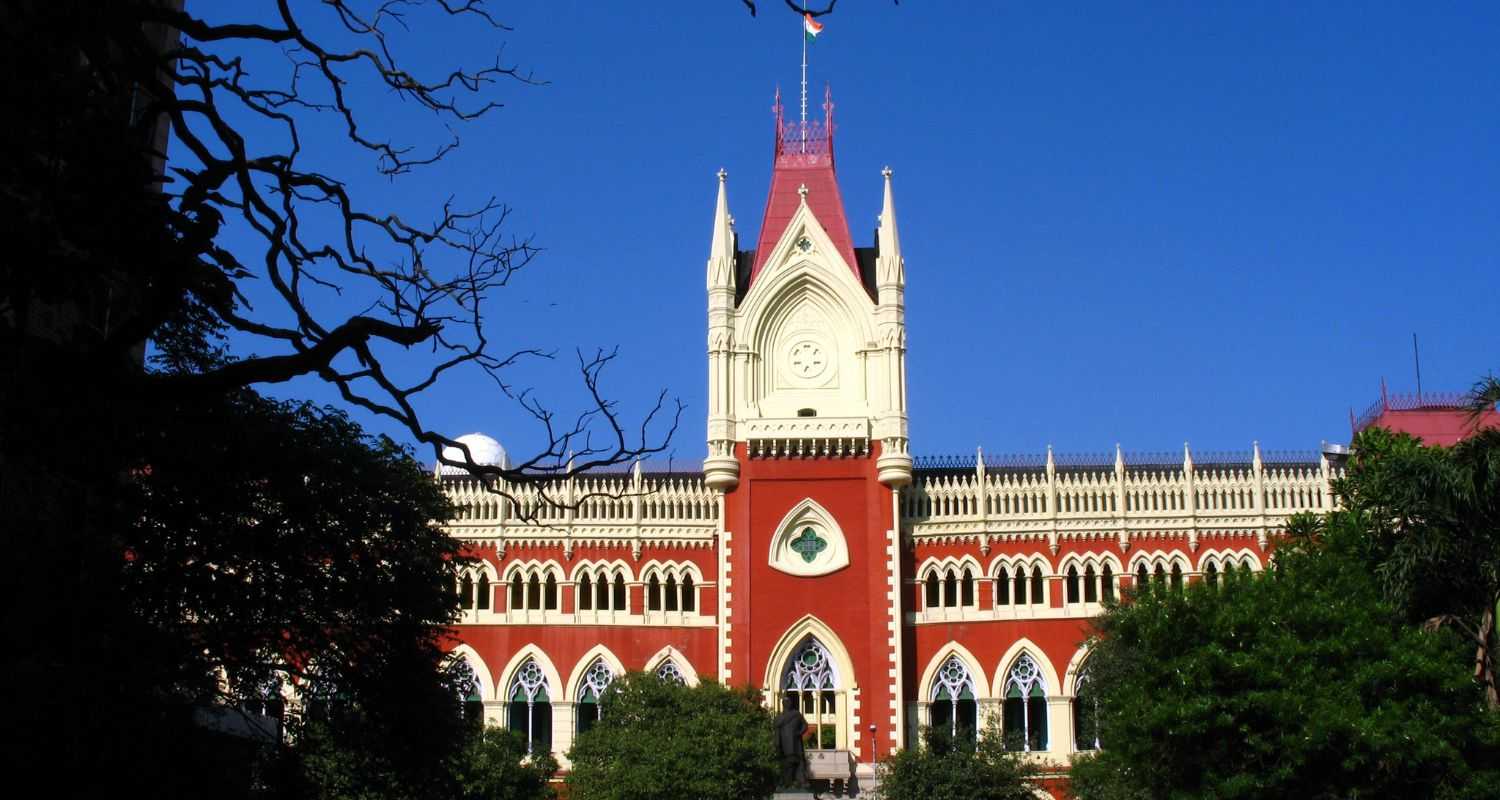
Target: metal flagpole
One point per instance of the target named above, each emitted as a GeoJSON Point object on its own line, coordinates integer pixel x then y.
{"type": "Point", "coordinates": [804, 76]}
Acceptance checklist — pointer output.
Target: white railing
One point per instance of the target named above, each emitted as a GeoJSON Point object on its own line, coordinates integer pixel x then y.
{"type": "Point", "coordinates": [607, 506]}
{"type": "Point", "coordinates": [1116, 498]}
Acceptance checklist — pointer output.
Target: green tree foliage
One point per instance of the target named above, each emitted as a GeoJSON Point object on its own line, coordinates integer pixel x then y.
{"type": "Point", "coordinates": [491, 765]}
{"type": "Point", "coordinates": [1301, 682]}
{"type": "Point", "coordinates": [1433, 518]}
{"type": "Point", "coordinates": [948, 767]}
{"type": "Point", "coordinates": [656, 738]}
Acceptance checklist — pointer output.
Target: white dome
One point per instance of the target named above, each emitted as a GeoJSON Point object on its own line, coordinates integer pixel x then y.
{"type": "Point", "coordinates": [483, 449]}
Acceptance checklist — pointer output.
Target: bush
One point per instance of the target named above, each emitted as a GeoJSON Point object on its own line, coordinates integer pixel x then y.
{"type": "Point", "coordinates": [945, 767]}
{"type": "Point", "coordinates": [656, 739]}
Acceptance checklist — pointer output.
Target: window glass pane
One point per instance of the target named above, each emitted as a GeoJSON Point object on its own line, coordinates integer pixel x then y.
{"type": "Point", "coordinates": [1013, 724]}
{"type": "Point", "coordinates": [968, 589]}
{"type": "Point", "coordinates": [932, 591]}
{"type": "Point", "coordinates": [586, 594]}
{"type": "Point", "coordinates": [689, 594]}
{"type": "Point", "coordinates": [1073, 595]}
{"type": "Point", "coordinates": [517, 598]}
{"type": "Point", "coordinates": [653, 594]}
{"type": "Point", "coordinates": [619, 603]}
{"type": "Point", "coordinates": [1036, 723]}
{"type": "Point", "coordinates": [968, 720]}
{"type": "Point", "coordinates": [1038, 593]}
{"type": "Point", "coordinates": [551, 598]}
{"type": "Point", "coordinates": [1002, 587]}
{"type": "Point", "coordinates": [950, 589]}
{"type": "Point", "coordinates": [671, 593]}
{"type": "Point", "coordinates": [483, 600]}
{"type": "Point", "coordinates": [1108, 580]}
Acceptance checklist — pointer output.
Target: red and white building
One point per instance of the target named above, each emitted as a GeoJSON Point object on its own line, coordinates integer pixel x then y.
{"type": "Point", "coordinates": [812, 555]}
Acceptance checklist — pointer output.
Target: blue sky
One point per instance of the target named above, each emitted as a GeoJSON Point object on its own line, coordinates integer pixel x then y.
{"type": "Point", "coordinates": [1144, 223]}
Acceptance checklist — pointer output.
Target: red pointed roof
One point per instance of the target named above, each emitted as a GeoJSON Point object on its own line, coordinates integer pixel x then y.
{"type": "Point", "coordinates": [804, 157]}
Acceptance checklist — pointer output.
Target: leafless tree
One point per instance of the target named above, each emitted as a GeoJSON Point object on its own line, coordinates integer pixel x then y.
{"type": "Point", "coordinates": [430, 280]}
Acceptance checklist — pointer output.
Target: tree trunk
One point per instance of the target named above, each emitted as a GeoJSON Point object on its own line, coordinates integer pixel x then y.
{"type": "Point", "coordinates": [1484, 663]}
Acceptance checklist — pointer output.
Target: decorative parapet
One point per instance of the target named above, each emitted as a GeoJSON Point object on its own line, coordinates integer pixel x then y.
{"type": "Point", "coordinates": [606, 508]}
{"type": "Point", "coordinates": [985, 498]}
{"type": "Point", "coordinates": [807, 437]}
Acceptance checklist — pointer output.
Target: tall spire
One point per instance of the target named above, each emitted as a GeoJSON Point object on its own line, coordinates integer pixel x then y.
{"type": "Point", "coordinates": [721, 250]}
{"type": "Point", "coordinates": [887, 238]}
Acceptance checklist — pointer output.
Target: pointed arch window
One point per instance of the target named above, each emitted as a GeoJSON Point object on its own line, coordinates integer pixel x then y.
{"type": "Point", "coordinates": [466, 592]}
{"type": "Point", "coordinates": [1085, 711]}
{"type": "Point", "coordinates": [670, 672]}
{"type": "Point", "coordinates": [586, 593]}
{"type": "Point", "coordinates": [950, 588]}
{"type": "Point", "coordinates": [596, 681]}
{"type": "Point", "coordinates": [1090, 586]}
{"type": "Point", "coordinates": [689, 596]}
{"type": "Point", "coordinates": [1176, 577]}
{"type": "Point", "coordinates": [534, 592]}
{"type": "Point", "coordinates": [517, 593]}
{"type": "Point", "coordinates": [954, 708]}
{"type": "Point", "coordinates": [1025, 709]}
{"type": "Point", "coordinates": [1002, 587]}
{"type": "Point", "coordinates": [1072, 583]}
{"type": "Point", "coordinates": [933, 597]}
{"type": "Point", "coordinates": [810, 682]}
{"type": "Point", "coordinates": [1020, 585]}
{"type": "Point", "coordinates": [1142, 577]}
{"type": "Point", "coordinates": [966, 589]}
{"type": "Point", "coordinates": [1038, 590]}
{"type": "Point", "coordinates": [551, 592]}
{"type": "Point", "coordinates": [1211, 575]}
{"type": "Point", "coordinates": [619, 591]}
{"type": "Point", "coordinates": [530, 708]}
{"type": "Point", "coordinates": [482, 590]}
{"type": "Point", "coordinates": [470, 696]}
{"type": "Point", "coordinates": [671, 592]}
{"type": "Point", "coordinates": [1107, 582]}
{"type": "Point", "coordinates": [653, 593]}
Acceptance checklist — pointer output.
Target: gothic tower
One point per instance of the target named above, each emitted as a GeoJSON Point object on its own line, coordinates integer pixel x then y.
{"type": "Point", "coordinates": [807, 444]}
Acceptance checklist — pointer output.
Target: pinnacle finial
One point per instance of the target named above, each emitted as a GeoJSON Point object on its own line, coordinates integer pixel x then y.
{"type": "Point", "coordinates": [886, 173]}
{"type": "Point", "coordinates": [802, 192]}
{"type": "Point", "coordinates": [722, 174]}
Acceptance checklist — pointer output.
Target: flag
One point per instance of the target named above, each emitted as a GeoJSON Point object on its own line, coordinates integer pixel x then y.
{"type": "Point", "coordinates": [811, 27]}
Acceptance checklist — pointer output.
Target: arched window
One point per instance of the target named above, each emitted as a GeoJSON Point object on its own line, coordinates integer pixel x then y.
{"type": "Point", "coordinates": [1020, 585]}
{"type": "Point", "coordinates": [1025, 714]}
{"type": "Point", "coordinates": [517, 593]}
{"type": "Point", "coordinates": [586, 593]}
{"type": "Point", "coordinates": [1002, 587]}
{"type": "Point", "coordinates": [551, 592]}
{"type": "Point", "coordinates": [466, 592]}
{"type": "Point", "coordinates": [933, 599]}
{"type": "Point", "coordinates": [596, 682]}
{"type": "Point", "coordinates": [950, 588]}
{"type": "Point", "coordinates": [653, 593]}
{"type": "Point", "coordinates": [534, 592]}
{"type": "Point", "coordinates": [967, 588]}
{"type": "Point", "coordinates": [1248, 565]}
{"type": "Point", "coordinates": [530, 707]}
{"type": "Point", "coordinates": [689, 597]}
{"type": "Point", "coordinates": [671, 592]}
{"type": "Point", "coordinates": [1142, 577]}
{"type": "Point", "coordinates": [1177, 577]}
{"type": "Point", "coordinates": [470, 700]}
{"type": "Point", "coordinates": [810, 682]}
{"type": "Point", "coordinates": [1108, 581]}
{"type": "Point", "coordinates": [1228, 569]}
{"type": "Point", "coordinates": [1038, 593]}
{"type": "Point", "coordinates": [482, 599]}
{"type": "Point", "coordinates": [619, 591]}
{"type": "Point", "coordinates": [1074, 595]}
{"type": "Point", "coordinates": [1211, 575]}
{"type": "Point", "coordinates": [1090, 587]}
{"type": "Point", "coordinates": [1085, 711]}
{"type": "Point", "coordinates": [953, 708]}
{"type": "Point", "coordinates": [670, 672]}
{"type": "Point", "coordinates": [1160, 574]}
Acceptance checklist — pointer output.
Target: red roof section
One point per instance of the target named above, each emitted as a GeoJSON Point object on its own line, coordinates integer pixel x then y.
{"type": "Point", "coordinates": [1437, 418]}
{"type": "Point", "coordinates": [804, 157]}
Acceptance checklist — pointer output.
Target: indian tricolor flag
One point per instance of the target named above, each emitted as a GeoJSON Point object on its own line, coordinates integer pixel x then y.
{"type": "Point", "coordinates": [811, 27]}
